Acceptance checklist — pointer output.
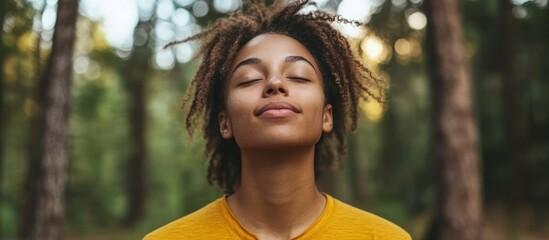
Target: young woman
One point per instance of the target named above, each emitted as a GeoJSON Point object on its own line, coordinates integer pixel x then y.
{"type": "Point", "coordinates": [276, 93]}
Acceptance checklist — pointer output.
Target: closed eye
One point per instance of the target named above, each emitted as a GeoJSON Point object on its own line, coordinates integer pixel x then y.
{"type": "Point", "coordinates": [299, 79]}
{"type": "Point", "coordinates": [248, 82]}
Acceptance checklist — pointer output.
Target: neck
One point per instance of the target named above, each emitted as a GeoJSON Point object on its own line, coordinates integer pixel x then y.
{"type": "Point", "coordinates": [277, 197]}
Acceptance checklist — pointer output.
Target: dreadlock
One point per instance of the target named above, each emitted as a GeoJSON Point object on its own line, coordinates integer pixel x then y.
{"type": "Point", "coordinates": [346, 80]}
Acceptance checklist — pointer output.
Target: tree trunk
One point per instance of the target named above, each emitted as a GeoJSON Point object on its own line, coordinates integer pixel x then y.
{"type": "Point", "coordinates": [34, 135]}
{"type": "Point", "coordinates": [511, 111]}
{"type": "Point", "coordinates": [136, 69]}
{"type": "Point", "coordinates": [56, 81]}
{"type": "Point", "coordinates": [138, 159]}
{"type": "Point", "coordinates": [3, 9]}
{"type": "Point", "coordinates": [458, 212]}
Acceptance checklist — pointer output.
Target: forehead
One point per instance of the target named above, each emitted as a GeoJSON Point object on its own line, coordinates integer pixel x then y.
{"type": "Point", "coordinates": [272, 46]}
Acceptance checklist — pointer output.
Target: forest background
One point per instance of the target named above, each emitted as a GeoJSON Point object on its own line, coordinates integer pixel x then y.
{"type": "Point", "coordinates": [131, 167]}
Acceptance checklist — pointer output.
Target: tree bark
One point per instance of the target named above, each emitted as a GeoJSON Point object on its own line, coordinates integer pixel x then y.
{"type": "Point", "coordinates": [459, 202]}
{"type": "Point", "coordinates": [56, 81]}
{"type": "Point", "coordinates": [512, 111]}
{"type": "Point", "coordinates": [138, 159]}
{"type": "Point", "coordinates": [135, 83]}
{"type": "Point", "coordinates": [34, 135]}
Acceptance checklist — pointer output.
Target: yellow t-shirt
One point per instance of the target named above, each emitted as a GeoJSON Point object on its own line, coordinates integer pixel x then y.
{"type": "Point", "coordinates": [337, 221]}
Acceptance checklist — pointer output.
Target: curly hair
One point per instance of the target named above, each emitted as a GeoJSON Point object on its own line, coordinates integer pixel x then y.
{"type": "Point", "coordinates": [346, 80]}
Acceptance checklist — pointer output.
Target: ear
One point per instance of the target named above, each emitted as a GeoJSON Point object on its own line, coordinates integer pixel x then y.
{"type": "Point", "coordinates": [225, 125]}
{"type": "Point", "coordinates": [327, 119]}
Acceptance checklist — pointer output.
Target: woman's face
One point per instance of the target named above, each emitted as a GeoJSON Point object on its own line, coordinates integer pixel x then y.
{"type": "Point", "coordinates": [274, 96]}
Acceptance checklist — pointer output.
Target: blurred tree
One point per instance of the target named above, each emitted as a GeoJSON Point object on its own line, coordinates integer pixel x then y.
{"type": "Point", "coordinates": [512, 109]}
{"type": "Point", "coordinates": [33, 145]}
{"type": "Point", "coordinates": [3, 9]}
{"type": "Point", "coordinates": [458, 214]}
{"type": "Point", "coordinates": [55, 84]}
{"type": "Point", "coordinates": [135, 73]}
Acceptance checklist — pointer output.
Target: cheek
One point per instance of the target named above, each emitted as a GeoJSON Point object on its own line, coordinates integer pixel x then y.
{"type": "Point", "coordinates": [315, 100]}
{"type": "Point", "coordinates": [238, 110]}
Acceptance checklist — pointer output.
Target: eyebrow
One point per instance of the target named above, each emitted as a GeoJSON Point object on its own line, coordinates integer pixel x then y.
{"type": "Point", "coordinates": [288, 59]}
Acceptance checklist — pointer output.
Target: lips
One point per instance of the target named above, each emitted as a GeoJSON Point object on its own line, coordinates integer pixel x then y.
{"type": "Point", "coordinates": [277, 109]}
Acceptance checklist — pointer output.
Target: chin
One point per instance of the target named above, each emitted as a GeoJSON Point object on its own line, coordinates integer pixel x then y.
{"type": "Point", "coordinates": [278, 142]}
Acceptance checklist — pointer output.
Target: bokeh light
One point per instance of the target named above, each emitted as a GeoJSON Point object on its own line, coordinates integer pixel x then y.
{"type": "Point", "coordinates": [408, 49]}
{"type": "Point", "coordinates": [375, 49]}
{"type": "Point", "coordinates": [119, 28]}
{"type": "Point", "coordinates": [184, 3]}
{"type": "Point", "coordinates": [164, 31]}
{"type": "Point", "coordinates": [224, 6]}
{"type": "Point", "coordinates": [200, 8]}
{"type": "Point", "coordinates": [417, 20]}
{"type": "Point", "coordinates": [164, 59]}
{"type": "Point", "coordinates": [181, 17]}
{"type": "Point", "coordinates": [165, 9]}
{"type": "Point", "coordinates": [184, 52]}
{"type": "Point", "coordinates": [372, 109]}
{"type": "Point", "coordinates": [403, 47]}
{"type": "Point", "coordinates": [48, 17]}
{"type": "Point", "coordinates": [358, 10]}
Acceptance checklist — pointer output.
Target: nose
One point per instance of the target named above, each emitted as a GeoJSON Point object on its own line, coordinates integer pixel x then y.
{"type": "Point", "coordinates": [275, 85]}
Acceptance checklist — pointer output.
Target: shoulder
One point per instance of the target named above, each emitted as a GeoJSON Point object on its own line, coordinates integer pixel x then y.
{"type": "Point", "coordinates": [361, 223]}
{"type": "Point", "coordinates": [197, 225]}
